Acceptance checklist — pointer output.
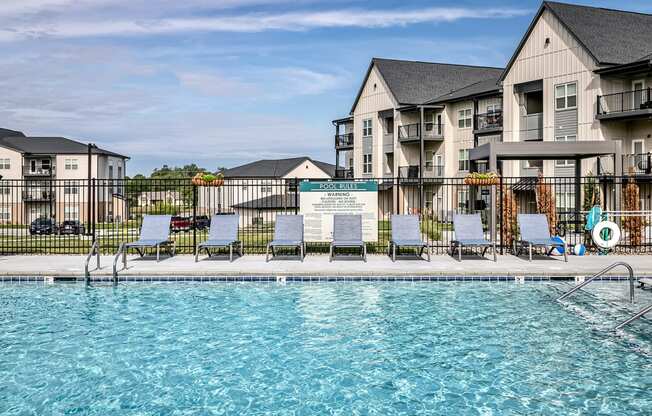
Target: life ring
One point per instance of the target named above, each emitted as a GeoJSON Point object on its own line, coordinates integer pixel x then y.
{"type": "Point", "coordinates": [612, 228]}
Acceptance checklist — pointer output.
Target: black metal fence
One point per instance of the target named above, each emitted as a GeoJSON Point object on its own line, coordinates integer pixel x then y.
{"type": "Point", "coordinates": [67, 216]}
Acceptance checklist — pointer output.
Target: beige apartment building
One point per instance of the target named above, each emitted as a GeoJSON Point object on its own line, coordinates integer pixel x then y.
{"type": "Point", "coordinates": [46, 177]}
{"type": "Point", "coordinates": [580, 74]}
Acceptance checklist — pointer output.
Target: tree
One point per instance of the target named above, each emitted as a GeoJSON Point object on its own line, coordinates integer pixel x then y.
{"type": "Point", "coordinates": [546, 203]}
{"type": "Point", "coordinates": [633, 224]}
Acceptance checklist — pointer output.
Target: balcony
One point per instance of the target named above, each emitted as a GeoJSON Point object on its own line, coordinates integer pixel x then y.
{"type": "Point", "coordinates": [488, 122]}
{"type": "Point", "coordinates": [480, 140]}
{"type": "Point", "coordinates": [410, 174]}
{"type": "Point", "coordinates": [37, 195]}
{"type": "Point", "coordinates": [38, 171]}
{"type": "Point", "coordinates": [638, 164]}
{"type": "Point", "coordinates": [408, 132]}
{"type": "Point", "coordinates": [344, 141]}
{"type": "Point", "coordinates": [532, 127]}
{"type": "Point", "coordinates": [433, 131]}
{"type": "Point", "coordinates": [625, 105]}
{"type": "Point", "coordinates": [344, 173]}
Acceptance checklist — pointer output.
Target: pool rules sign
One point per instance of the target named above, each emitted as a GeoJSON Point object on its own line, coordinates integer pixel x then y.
{"type": "Point", "coordinates": [319, 201]}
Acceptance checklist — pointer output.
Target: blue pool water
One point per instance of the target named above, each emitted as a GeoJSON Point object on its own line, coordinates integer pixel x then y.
{"type": "Point", "coordinates": [311, 349]}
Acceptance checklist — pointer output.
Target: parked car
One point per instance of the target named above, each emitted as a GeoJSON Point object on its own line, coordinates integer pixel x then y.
{"type": "Point", "coordinates": [179, 224]}
{"type": "Point", "coordinates": [43, 226]}
{"type": "Point", "coordinates": [202, 222]}
{"type": "Point", "coordinates": [71, 228]}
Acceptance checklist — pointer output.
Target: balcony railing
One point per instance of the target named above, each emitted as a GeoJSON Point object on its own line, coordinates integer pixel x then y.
{"type": "Point", "coordinates": [39, 171]}
{"type": "Point", "coordinates": [639, 164]}
{"type": "Point", "coordinates": [623, 102]}
{"type": "Point", "coordinates": [480, 140]}
{"type": "Point", "coordinates": [532, 127]}
{"type": "Point", "coordinates": [408, 132]}
{"type": "Point", "coordinates": [412, 172]}
{"type": "Point", "coordinates": [344, 140]}
{"type": "Point", "coordinates": [489, 121]}
{"type": "Point", "coordinates": [433, 130]}
{"type": "Point", "coordinates": [344, 173]}
{"type": "Point", "coordinates": [36, 195]}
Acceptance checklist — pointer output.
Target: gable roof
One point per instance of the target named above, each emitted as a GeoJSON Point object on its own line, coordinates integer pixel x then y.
{"type": "Point", "coordinates": [276, 201]}
{"type": "Point", "coordinates": [50, 145]}
{"type": "Point", "coordinates": [480, 88]}
{"type": "Point", "coordinates": [415, 82]}
{"type": "Point", "coordinates": [8, 133]}
{"type": "Point", "coordinates": [275, 168]}
{"type": "Point", "coordinates": [610, 36]}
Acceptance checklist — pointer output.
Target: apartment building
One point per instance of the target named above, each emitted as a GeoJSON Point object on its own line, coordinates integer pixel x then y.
{"type": "Point", "coordinates": [261, 189]}
{"type": "Point", "coordinates": [46, 177]}
{"type": "Point", "coordinates": [580, 77]}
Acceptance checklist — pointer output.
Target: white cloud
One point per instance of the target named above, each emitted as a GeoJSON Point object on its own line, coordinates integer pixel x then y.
{"type": "Point", "coordinates": [257, 22]}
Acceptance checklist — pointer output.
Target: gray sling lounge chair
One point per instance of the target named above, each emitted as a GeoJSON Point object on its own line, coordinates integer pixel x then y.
{"type": "Point", "coordinates": [154, 233]}
{"type": "Point", "coordinates": [468, 232]}
{"type": "Point", "coordinates": [223, 232]}
{"type": "Point", "coordinates": [535, 233]}
{"type": "Point", "coordinates": [406, 233]}
{"type": "Point", "coordinates": [347, 233]}
{"type": "Point", "coordinates": [288, 232]}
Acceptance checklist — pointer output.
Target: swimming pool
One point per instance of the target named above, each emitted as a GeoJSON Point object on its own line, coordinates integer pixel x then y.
{"type": "Point", "coordinates": [329, 348]}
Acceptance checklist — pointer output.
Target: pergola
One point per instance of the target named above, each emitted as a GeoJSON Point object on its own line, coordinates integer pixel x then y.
{"type": "Point", "coordinates": [494, 152]}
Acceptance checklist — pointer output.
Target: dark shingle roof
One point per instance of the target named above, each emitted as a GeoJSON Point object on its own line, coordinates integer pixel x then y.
{"type": "Point", "coordinates": [50, 145]}
{"type": "Point", "coordinates": [479, 88]}
{"type": "Point", "coordinates": [282, 201]}
{"type": "Point", "coordinates": [413, 82]}
{"type": "Point", "coordinates": [274, 168]}
{"type": "Point", "coordinates": [7, 133]}
{"type": "Point", "coordinates": [611, 36]}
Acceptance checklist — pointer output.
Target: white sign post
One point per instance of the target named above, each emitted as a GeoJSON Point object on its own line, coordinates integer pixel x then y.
{"type": "Point", "coordinates": [319, 201]}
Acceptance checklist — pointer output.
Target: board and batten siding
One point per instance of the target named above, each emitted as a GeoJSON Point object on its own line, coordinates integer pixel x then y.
{"type": "Point", "coordinates": [375, 97]}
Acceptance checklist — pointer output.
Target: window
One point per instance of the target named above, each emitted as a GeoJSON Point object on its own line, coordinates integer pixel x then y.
{"type": "Point", "coordinates": [565, 201]}
{"type": "Point", "coordinates": [493, 108]}
{"type": "Point", "coordinates": [565, 163]}
{"type": "Point", "coordinates": [71, 190]}
{"type": "Point", "coordinates": [71, 164]}
{"type": "Point", "coordinates": [430, 156]}
{"type": "Point", "coordinates": [566, 96]}
{"type": "Point", "coordinates": [366, 163]}
{"type": "Point", "coordinates": [266, 190]}
{"type": "Point", "coordinates": [462, 199]}
{"type": "Point", "coordinates": [5, 190]}
{"type": "Point", "coordinates": [464, 119]}
{"type": "Point", "coordinates": [429, 199]}
{"type": "Point", "coordinates": [389, 125]}
{"type": "Point", "coordinates": [71, 213]}
{"type": "Point", "coordinates": [367, 129]}
{"type": "Point", "coordinates": [5, 163]}
{"type": "Point", "coordinates": [463, 161]}
{"type": "Point", "coordinates": [5, 214]}
{"type": "Point", "coordinates": [244, 188]}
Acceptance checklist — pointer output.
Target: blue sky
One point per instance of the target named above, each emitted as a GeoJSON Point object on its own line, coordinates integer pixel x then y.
{"type": "Point", "coordinates": [221, 82]}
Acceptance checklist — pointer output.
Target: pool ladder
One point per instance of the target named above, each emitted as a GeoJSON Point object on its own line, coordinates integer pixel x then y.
{"type": "Point", "coordinates": [602, 272]}
{"type": "Point", "coordinates": [94, 251]}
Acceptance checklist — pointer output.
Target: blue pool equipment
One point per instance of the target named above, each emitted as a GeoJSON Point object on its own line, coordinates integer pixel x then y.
{"type": "Point", "coordinates": [579, 249]}
{"type": "Point", "coordinates": [606, 234]}
{"type": "Point", "coordinates": [558, 251]}
{"type": "Point", "coordinates": [593, 217]}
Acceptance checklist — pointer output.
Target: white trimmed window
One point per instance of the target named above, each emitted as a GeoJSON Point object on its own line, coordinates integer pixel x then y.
{"type": "Point", "coordinates": [463, 198]}
{"type": "Point", "coordinates": [565, 201]}
{"type": "Point", "coordinates": [463, 163]}
{"type": "Point", "coordinates": [465, 118]}
{"type": "Point", "coordinates": [71, 212]}
{"type": "Point", "coordinates": [367, 129]}
{"type": "Point", "coordinates": [566, 96]}
{"type": "Point", "coordinates": [366, 163]}
{"type": "Point", "coordinates": [5, 190]}
{"type": "Point", "coordinates": [266, 190]}
{"type": "Point", "coordinates": [71, 190]}
{"type": "Point", "coordinates": [565, 163]}
{"type": "Point", "coordinates": [5, 163]}
{"type": "Point", "coordinates": [71, 164]}
{"type": "Point", "coordinates": [5, 214]}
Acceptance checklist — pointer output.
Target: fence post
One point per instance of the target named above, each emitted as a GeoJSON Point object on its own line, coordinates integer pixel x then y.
{"type": "Point", "coordinates": [93, 205]}
{"type": "Point", "coordinates": [194, 218]}
{"type": "Point", "coordinates": [296, 196]}
{"type": "Point", "coordinates": [502, 237]}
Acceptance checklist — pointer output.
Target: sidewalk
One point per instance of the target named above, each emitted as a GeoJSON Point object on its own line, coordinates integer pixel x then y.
{"type": "Point", "coordinates": [318, 265]}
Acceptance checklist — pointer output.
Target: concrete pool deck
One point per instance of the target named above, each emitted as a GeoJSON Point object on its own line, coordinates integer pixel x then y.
{"type": "Point", "coordinates": [318, 265]}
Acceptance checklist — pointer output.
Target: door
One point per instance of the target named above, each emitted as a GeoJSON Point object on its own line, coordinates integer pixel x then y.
{"type": "Point", "coordinates": [637, 94]}
{"type": "Point", "coordinates": [638, 149]}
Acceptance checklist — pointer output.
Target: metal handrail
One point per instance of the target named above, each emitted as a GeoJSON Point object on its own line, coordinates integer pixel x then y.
{"type": "Point", "coordinates": [601, 273]}
{"type": "Point", "coordinates": [635, 316]}
{"type": "Point", "coordinates": [115, 262]}
{"type": "Point", "coordinates": [95, 250]}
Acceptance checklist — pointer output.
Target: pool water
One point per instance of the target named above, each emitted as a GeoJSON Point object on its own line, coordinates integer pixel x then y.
{"type": "Point", "coordinates": [312, 349]}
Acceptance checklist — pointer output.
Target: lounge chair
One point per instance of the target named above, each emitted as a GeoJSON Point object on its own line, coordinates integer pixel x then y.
{"type": "Point", "coordinates": [406, 233]}
{"type": "Point", "coordinates": [288, 232]}
{"type": "Point", "coordinates": [347, 233]}
{"type": "Point", "coordinates": [154, 233]}
{"type": "Point", "coordinates": [536, 233]}
{"type": "Point", "coordinates": [469, 233]}
{"type": "Point", "coordinates": [223, 232]}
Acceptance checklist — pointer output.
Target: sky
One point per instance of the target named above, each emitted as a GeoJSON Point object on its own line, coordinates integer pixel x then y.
{"type": "Point", "coordinates": [224, 82]}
